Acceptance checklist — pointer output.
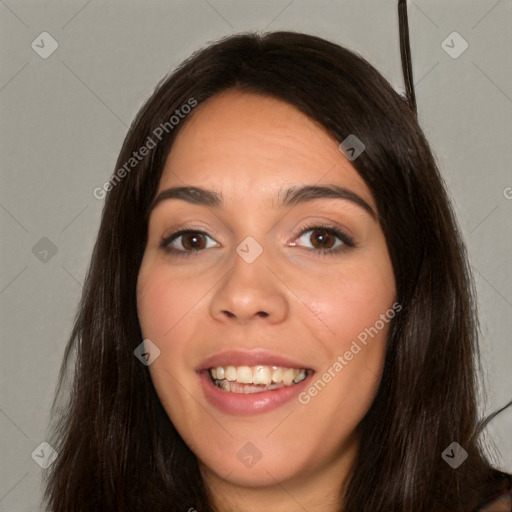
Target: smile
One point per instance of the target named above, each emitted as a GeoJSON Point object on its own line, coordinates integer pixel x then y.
{"type": "Point", "coordinates": [246, 382]}
{"type": "Point", "coordinates": [255, 379]}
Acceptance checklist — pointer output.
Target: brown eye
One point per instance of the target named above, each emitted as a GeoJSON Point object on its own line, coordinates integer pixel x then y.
{"type": "Point", "coordinates": [193, 241]}
{"type": "Point", "coordinates": [322, 239]}
{"type": "Point", "coordinates": [187, 241]}
{"type": "Point", "coordinates": [325, 240]}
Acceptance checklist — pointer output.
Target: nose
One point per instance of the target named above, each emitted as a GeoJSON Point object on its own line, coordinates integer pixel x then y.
{"type": "Point", "coordinates": [250, 292]}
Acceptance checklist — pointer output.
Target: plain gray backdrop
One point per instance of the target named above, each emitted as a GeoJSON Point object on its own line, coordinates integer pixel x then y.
{"type": "Point", "coordinates": [64, 117]}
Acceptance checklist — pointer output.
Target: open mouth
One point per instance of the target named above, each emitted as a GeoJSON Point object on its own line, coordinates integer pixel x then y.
{"type": "Point", "coordinates": [256, 379]}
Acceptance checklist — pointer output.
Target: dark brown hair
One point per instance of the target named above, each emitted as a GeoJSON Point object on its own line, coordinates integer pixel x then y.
{"type": "Point", "coordinates": [119, 451]}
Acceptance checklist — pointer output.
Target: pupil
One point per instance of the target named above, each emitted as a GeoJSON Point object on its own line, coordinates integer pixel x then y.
{"type": "Point", "coordinates": [192, 241]}
{"type": "Point", "coordinates": [323, 239]}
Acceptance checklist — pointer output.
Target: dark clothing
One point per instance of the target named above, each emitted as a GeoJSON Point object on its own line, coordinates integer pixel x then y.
{"type": "Point", "coordinates": [497, 495]}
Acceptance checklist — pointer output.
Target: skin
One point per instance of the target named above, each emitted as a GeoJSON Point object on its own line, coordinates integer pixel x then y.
{"type": "Point", "coordinates": [247, 147]}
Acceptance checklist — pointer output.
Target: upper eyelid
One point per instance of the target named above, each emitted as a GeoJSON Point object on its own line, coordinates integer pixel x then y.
{"type": "Point", "coordinates": [339, 232]}
{"type": "Point", "coordinates": [211, 230]}
{"type": "Point", "coordinates": [174, 235]}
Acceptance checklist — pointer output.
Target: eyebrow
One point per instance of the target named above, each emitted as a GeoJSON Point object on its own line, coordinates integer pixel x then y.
{"type": "Point", "coordinates": [289, 197]}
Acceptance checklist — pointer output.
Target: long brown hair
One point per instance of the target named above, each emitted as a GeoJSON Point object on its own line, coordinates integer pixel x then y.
{"type": "Point", "coordinates": [117, 448]}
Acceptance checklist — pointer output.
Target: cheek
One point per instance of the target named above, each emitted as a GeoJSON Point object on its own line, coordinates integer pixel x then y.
{"type": "Point", "coordinates": [357, 311]}
{"type": "Point", "coordinates": [163, 300]}
{"type": "Point", "coordinates": [163, 304]}
{"type": "Point", "coordinates": [356, 306]}
{"type": "Point", "coordinates": [353, 301]}
{"type": "Point", "coordinates": [157, 307]}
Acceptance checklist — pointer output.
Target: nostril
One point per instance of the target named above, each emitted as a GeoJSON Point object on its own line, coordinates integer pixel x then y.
{"type": "Point", "coordinates": [263, 314]}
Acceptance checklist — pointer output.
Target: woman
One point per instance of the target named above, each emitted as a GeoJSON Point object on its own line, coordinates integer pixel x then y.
{"type": "Point", "coordinates": [279, 312]}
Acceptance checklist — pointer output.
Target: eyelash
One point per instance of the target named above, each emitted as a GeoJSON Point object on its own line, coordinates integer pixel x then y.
{"type": "Point", "coordinates": [347, 241]}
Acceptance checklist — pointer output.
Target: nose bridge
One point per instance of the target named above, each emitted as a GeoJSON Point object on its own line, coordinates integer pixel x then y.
{"type": "Point", "coordinates": [249, 289]}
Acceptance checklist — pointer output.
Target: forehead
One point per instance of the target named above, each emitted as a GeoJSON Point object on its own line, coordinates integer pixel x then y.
{"type": "Point", "coordinates": [243, 144]}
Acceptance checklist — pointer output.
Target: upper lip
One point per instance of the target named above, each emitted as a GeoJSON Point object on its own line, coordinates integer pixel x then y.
{"type": "Point", "coordinates": [250, 358]}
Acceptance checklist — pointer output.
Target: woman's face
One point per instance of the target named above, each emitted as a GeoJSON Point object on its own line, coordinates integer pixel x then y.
{"type": "Point", "coordinates": [281, 291]}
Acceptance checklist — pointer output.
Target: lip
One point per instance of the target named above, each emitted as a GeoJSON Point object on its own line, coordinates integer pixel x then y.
{"type": "Point", "coordinates": [255, 403]}
{"type": "Point", "coordinates": [248, 404]}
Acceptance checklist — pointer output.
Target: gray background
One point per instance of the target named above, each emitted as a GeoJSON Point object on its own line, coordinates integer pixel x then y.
{"type": "Point", "coordinates": [64, 118]}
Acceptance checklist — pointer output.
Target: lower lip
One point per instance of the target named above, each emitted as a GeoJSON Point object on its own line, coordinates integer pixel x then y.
{"type": "Point", "coordinates": [250, 403]}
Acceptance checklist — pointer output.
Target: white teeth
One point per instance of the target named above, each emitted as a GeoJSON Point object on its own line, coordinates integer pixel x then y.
{"type": "Point", "coordinates": [230, 373]}
{"type": "Point", "coordinates": [288, 376]}
{"type": "Point", "coordinates": [244, 375]}
{"type": "Point", "coordinates": [277, 374]}
{"type": "Point", "coordinates": [252, 379]}
{"type": "Point", "coordinates": [220, 373]}
{"type": "Point", "coordinates": [262, 375]}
